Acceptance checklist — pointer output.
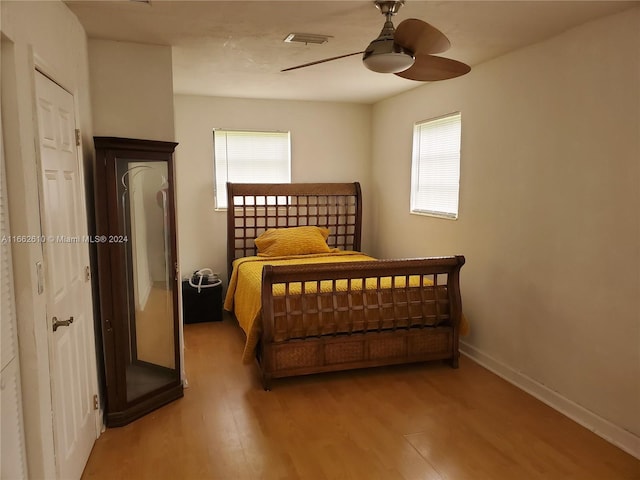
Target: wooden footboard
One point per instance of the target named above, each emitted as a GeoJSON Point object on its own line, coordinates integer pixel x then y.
{"type": "Point", "coordinates": [355, 315]}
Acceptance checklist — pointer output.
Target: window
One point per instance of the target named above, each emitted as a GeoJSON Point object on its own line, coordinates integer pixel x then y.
{"type": "Point", "coordinates": [249, 157]}
{"type": "Point", "coordinates": [435, 173]}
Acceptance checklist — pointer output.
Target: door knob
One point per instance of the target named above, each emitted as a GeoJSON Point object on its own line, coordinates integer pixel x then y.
{"type": "Point", "coordinates": [61, 323]}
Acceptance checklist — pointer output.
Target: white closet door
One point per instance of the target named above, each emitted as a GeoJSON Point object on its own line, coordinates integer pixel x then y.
{"type": "Point", "coordinates": [74, 377]}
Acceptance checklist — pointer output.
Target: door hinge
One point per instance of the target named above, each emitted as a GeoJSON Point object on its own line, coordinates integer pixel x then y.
{"type": "Point", "coordinates": [77, 137]}
{"type": "Point", "coordinates": [95, 402]}
{"type": "Point", "coordinates": [87, 273]}
{"type": "Point", "coordinates": [40, 278]}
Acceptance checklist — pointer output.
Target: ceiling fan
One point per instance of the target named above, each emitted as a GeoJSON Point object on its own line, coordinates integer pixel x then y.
{"type": "Point", "coordinates": [406, 51]}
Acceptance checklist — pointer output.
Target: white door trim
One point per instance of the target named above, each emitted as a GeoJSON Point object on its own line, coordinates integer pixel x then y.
{"type": "Point", "coordinates": [22, 178]}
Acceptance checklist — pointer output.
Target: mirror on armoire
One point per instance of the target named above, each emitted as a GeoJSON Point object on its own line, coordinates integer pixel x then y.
{"type": "Point", "coordinates": [137, 267]}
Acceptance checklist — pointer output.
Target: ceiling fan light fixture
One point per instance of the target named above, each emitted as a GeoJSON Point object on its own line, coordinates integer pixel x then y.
{"type": "Point", "coordinates": [386, 56]}
{"type": "Point", "coordinates": [393, 62]}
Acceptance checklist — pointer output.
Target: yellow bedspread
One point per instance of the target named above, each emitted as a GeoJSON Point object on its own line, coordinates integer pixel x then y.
{"type": "Point", "coordinates": [243, 294]}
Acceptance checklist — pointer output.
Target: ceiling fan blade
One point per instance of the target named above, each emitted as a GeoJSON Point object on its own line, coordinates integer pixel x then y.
{"type": "Point", "coordinates": [430, 68]}
{"type": "Point", "coordinates": [420, 37]}
{"type": "Point", "coordinates": [321, 61]}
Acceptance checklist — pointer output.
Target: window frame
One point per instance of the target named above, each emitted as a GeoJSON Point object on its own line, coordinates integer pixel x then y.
{"type": "Point", "coordinates": [416, 163]}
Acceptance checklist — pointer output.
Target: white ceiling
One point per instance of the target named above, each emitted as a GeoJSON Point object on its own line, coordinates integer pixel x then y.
{"type": "Point", "coordinates": [236, 48]}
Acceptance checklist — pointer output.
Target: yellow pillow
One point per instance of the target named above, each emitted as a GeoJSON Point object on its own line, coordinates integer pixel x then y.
{"type": "Point", "coordinates": [280, 242]}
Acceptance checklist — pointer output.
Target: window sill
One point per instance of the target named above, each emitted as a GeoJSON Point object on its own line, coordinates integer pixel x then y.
{"type": "Point", "coordinates": [443, 216]}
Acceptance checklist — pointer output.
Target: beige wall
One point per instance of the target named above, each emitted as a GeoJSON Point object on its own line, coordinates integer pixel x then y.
{"type": "Point", "coordinates": [48, 36]}
{"type": "Point", "coordinates": [329, 142]}
{"type": "Point", "coordinates": [131, 90]}
{"type": "Point", "coordinates": [549, 219]}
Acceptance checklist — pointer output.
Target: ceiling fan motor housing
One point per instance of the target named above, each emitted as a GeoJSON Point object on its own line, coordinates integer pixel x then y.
{"type": "Point", "coordinates": [384, 55]}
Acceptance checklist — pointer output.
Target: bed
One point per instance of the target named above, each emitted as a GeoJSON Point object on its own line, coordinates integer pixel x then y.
{"type": "Point", "coordinates": [309, 301]}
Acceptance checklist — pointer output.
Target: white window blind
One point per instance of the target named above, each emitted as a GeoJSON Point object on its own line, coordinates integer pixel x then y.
{"type": "Point", "coordinates": [435, 174]}
{"type": "Point", "coordinates": [249, 157]}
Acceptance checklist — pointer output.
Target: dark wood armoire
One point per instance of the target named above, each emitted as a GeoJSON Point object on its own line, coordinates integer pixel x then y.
{"type": "Point", "coordinates": [137, 275]}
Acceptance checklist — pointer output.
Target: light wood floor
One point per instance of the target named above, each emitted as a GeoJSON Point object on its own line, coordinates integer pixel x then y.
{"type": "Point", "coordinates": [419, 422]}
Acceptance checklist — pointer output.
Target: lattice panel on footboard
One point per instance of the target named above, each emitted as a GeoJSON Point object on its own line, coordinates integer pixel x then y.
{"type": "Point", "coordinates": [328, 308]}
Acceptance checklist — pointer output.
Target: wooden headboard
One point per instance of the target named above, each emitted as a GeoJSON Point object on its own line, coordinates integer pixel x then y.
{"type": "Point", "coordinates": [254, 207]}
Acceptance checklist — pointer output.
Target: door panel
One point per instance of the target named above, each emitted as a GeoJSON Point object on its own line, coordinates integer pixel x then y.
{"type": "Point", "coordinates": [73, 360]}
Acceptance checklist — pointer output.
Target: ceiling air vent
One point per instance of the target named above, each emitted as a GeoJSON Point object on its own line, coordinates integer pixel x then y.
{"type": "Point", "coordinates": [306, 38]}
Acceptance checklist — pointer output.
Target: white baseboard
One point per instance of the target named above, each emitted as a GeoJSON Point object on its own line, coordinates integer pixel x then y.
{"type": "Point", "coordinates": [614, 434]}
